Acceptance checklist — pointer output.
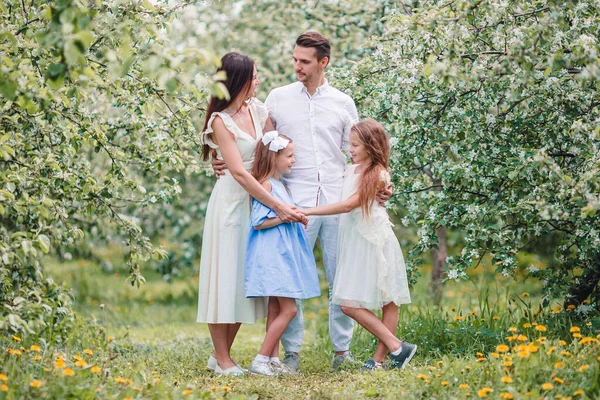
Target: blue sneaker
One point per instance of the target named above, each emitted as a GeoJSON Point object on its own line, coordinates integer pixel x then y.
{"type": "Point", "coordinates": [407, 351]}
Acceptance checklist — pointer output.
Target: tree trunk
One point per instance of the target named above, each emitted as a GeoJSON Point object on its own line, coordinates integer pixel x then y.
{"type": "Point", "coordinates": [439, 261]}
{"type": "Point", "coordinates": [587, 283]}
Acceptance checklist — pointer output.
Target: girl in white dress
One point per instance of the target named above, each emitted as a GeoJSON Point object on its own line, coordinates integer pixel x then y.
{"type": "Point", "coordinates": [370, 273]}
{"type": "Point", "coordinates": [231, 131]}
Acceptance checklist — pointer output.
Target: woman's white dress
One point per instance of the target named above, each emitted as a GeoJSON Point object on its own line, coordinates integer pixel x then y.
{"type": "Point", "coordinates": [221, 297]}
{"type": "Point", "coordinates": [370, 271]}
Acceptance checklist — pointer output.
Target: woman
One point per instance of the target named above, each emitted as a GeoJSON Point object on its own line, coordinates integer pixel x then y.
{"type": "Point", "coordinates": [232, 128]}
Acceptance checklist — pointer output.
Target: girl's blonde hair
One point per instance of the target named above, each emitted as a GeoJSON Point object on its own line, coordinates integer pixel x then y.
{"type": "Point", "coordinates": [375, 139]}
{"type": "Point", "coordinates": [264, 160]}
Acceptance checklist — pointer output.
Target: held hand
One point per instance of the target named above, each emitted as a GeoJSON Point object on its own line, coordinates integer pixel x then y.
{"type": "Point", "coordinates": [304, 220]}
{"type": "Point", "coordinates": [384, 195]}
{"type": "Point", "coordinates": [287, 213]}
{"type": "Point", "coordinates": [218, 166]}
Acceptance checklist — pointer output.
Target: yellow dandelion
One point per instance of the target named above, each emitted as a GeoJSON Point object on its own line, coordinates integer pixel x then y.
{"type": "Point", "coordinates": [523, 354]}
{"type": "Point", "coordinates": [558, 380]}
{"type": "Point", "coordinates": [16, 338]}
{"type": "Point", "coordinates": [502, 348]}
{"type": "Point", "coordinates": [463, 386]}
{"type": "Point", "coordinates": [577, 335]}
{"type": "Point", "coordinates": [35, 384]}
{"type": "Point", "coordinates": [495, 355]}
{"type": "Point", "coordinates": [550, 350]}
{"type": "Point", "coordinates": [138, 389]}
{"type": "Point", "coordinates": [59, 363]}
{"type": "Point", "coordinates": [506, 395]}
{"type": "Point", "coordinates": [566, 354]}
{"type": "Point", "coordinates": [584, 367]}
{"type": "Point", "coordinates": [541, 340]}
{"type": "Point", "coordinates": [96, 369]}
{"type": "Point", "coordinates": [468, 367]}
{"type": "Point", "coordinates": [481, 359]}
{"type": "Point", "coordinates": [155, 380]}
{"type": "Point", "coordinates": [4, 388]}
{"type": "Point", "coordinates": [525, 294]}
{"type": "Point", "coordinates": [570, 307]}
{"type": "Point", "coordinates": [453, 309]}
{"type": "Point", "coordinates": [120, 379]}
{"type": "Point", "coordinates": [495, 318]}
{"type": "Point", "coordinates": [575, 329]}
{"type": "Point", "coordinates": [526, 325]}
{"type": "Point", "coordinates": [438, 375]}
{"type": "Point", "coordinates": [541, 328]}
{"type": "Point", "coordinates": [522, 338]}
{"type": "Point", "coordinates": [186, 392]}
{"type": "Point", "coordinates": [458, 318]}
{"type": "Point", "coordinates": [226, 388]}
{"type": "Point", "coordinates": [422, 376]}
{"type": "Point", "coordinates": [587, 340]}
{"type": "Point", "coordinates": [532, 348]}
{"type": "Point", "coordinates": [440, 362]}
{"type": "Point", "coordinates": [562, 342]}
{"type": "Point", "coordinates": [559, 365]}
{"type": "Point", "coordinates": [512, 329]}
{"type": "Point", "coordinates": [445, 383]}
{"type": "Point", "coordinates": [479, 354]}
{"type": "Point", "coordinates": [98, 389]}
{"type": "Point", "coordinates": [578, 392]}
{"type": "Point", "coordinates": [547, 386]}
{"type": "Point", "coordinates": [35, 347]}
{"type": "Point", "coordinates": [483, 392]}
{"type": "Point", "coordinates": [109, 339]}
{"type": "Point", "coordinates": [68, 372]}
{"type": "Point", "coordinates": [80, 363]}
{"type": "Point", "coordinates": [14, 352]}
{"type": "Point", "coordinates": [507, 363]}
{"type": "Point", "coordinates": [506, 379]}
{"type": "Point", "coordinates": [37, 357]}
{"type": "Point", "coordinates": [77, 357]}
{"type": "Point", "coordinates": [88, 352]}
{"type": "Point", "coordinates": [213, 388]}
{"type": "Point", "coordinates": [3, 377]}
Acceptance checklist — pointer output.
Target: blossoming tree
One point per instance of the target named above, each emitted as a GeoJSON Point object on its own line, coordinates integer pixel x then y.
{"type": "Point", "coordinates": [494, 111]}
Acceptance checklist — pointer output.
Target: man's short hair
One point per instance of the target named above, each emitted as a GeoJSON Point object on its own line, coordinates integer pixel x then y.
{"type": "Point", "coordinates": [317, 41]}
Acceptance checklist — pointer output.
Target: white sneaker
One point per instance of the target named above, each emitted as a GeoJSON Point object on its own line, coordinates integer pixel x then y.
{"type": "Point", "coordinates": [282, 369]}
{"type": "Point", "coordinates": [261, 368]}
{"type": "Point", "coordinates": [232, 371]}
{"type": "Point", "coordinates": [212, 363]}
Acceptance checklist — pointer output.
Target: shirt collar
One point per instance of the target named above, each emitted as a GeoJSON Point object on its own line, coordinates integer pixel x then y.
{"type": "Point", "coordinates": [321, 89]}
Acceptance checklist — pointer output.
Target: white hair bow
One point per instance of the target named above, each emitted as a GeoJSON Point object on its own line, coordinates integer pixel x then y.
{"type": "Point", "coordinates": [274, 141]}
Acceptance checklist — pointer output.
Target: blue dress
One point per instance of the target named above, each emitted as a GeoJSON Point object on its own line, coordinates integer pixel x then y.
{"type": "Point", "coordinates": [279, 260]}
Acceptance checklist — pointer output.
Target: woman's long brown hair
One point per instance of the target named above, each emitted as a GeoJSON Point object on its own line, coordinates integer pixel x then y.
{"type": "Point", "coordinates": [239, 70]}
{"type": "Point", "coordinates": [375, 139]}
{"type": "Point", "coordinates": [264, 161]}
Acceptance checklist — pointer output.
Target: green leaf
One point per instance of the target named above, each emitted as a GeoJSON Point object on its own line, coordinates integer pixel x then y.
{"type": "Point", "coordinates": [8, 89]}
{"type": "Point", "coordinates": [44, 243]}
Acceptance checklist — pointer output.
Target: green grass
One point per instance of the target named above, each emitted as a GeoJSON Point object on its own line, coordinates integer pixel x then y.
{"type": "Point", "coordinates": [148, 345]}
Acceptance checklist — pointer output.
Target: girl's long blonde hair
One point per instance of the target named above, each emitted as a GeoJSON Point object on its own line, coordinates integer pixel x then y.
{"type": "Point", "coordinates": [264, 161]}
{"type": "Point", "coordinates": [375, 139]}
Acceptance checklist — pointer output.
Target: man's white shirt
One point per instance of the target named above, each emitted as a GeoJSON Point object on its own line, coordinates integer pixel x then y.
{"type": "Point", "coordinates": [319, 126]}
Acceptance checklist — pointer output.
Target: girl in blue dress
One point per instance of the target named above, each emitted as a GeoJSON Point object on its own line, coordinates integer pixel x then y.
{"type": "Point", "coordinates": [279, 259]}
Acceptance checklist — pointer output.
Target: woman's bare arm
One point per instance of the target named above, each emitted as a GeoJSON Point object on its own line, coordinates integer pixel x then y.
{"type": "Point", "coordinates": [235, 164]}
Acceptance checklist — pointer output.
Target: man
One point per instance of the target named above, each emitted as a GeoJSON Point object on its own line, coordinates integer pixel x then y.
{"type": "Point", "coordinates": [318, 118]}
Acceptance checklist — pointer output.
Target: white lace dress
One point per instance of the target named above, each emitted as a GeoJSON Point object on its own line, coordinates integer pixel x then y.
{"type": "Point", "coordinates": [370, 271]}
{"type": "Point", "coordinates": [221, 297]}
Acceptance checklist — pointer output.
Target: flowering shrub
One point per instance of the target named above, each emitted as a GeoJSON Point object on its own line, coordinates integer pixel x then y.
{"type": "Point", "coordinates": [494, 112]}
